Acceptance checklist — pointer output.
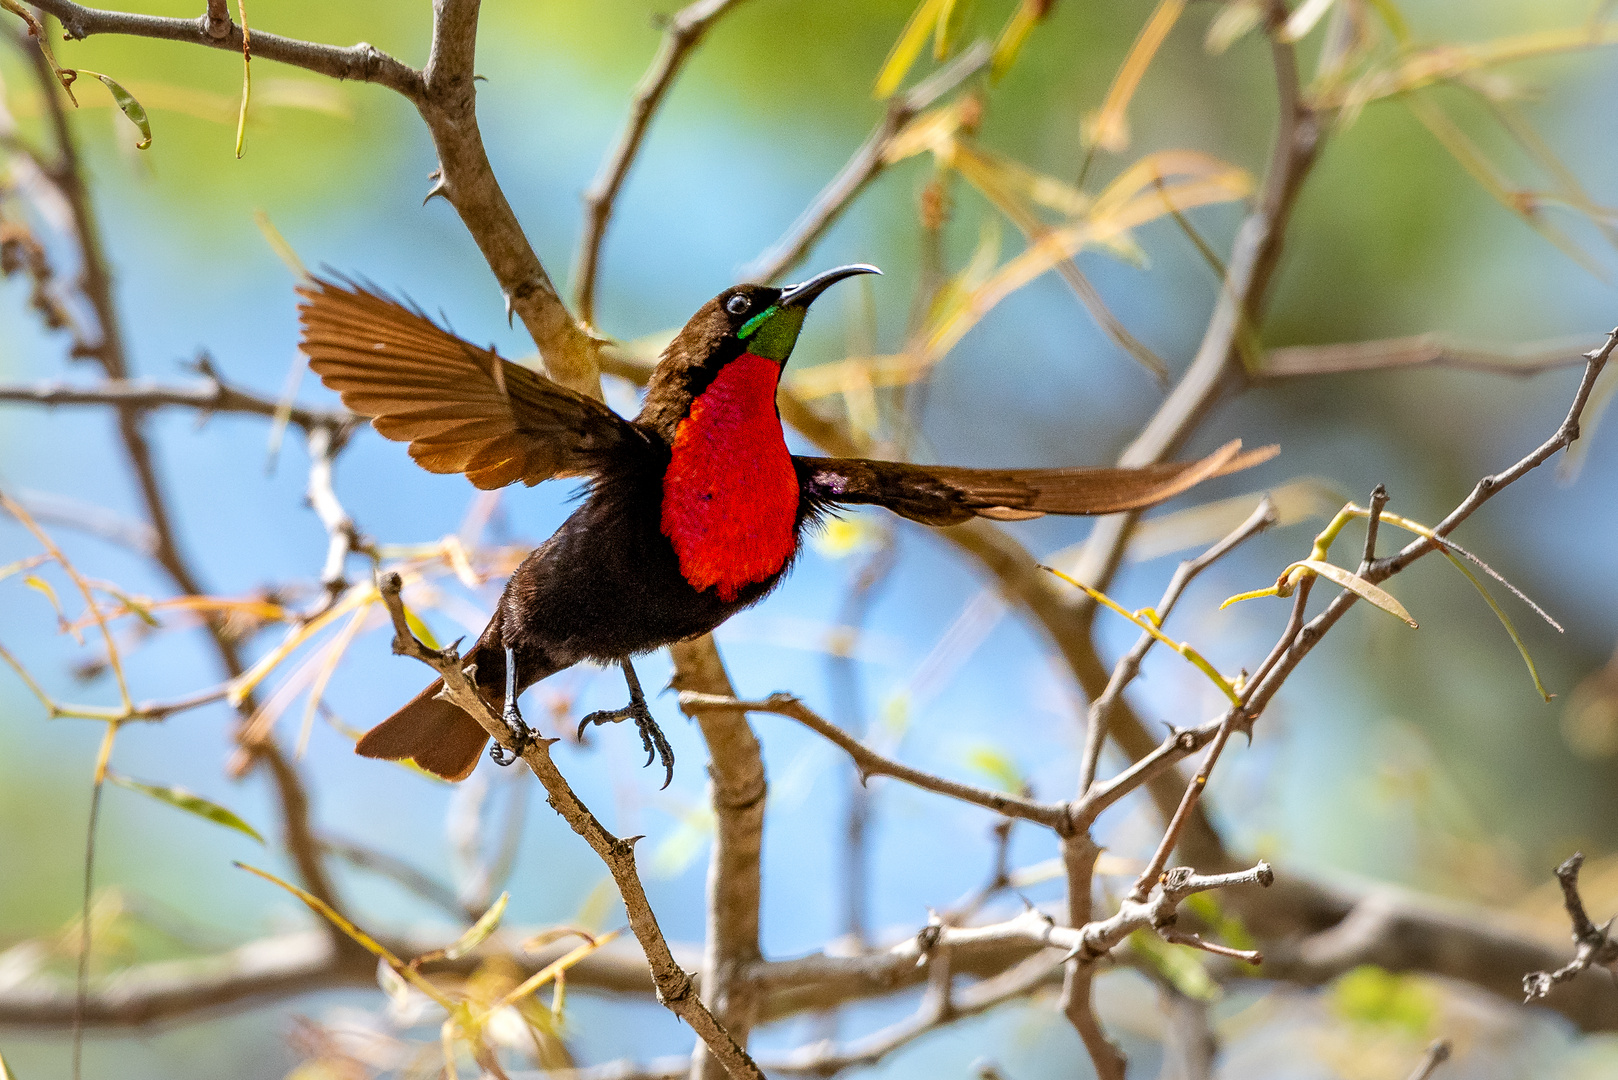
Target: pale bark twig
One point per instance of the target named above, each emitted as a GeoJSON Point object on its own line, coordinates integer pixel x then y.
{"type": "Point", "coordinates": [867, 163]}
{"type": "Point", "coordinates": [681, 35]}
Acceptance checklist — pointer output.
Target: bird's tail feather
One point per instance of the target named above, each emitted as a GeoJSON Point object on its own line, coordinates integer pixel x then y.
{"type": "Point", "coordinates": [436, 734]}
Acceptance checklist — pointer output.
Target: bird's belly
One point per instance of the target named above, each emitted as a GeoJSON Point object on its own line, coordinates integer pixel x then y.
{"type": "Point", "coordinates": [609, 585]}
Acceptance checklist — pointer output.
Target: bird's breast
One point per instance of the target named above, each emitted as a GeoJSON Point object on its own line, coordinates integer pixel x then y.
{"type": "Point", "coordinates": [730, 496]}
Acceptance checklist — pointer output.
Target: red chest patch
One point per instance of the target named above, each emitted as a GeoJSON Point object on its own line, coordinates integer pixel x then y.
{"type": "Point", "coordinates": [730, 498]}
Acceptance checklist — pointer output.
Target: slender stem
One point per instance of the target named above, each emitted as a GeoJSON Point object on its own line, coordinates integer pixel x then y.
{"type": "Point", "coordinates": [683, 34]}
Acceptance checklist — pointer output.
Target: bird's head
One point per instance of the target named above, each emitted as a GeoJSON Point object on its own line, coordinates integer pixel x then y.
{"type": "Point", "coordinates": [755, 320]}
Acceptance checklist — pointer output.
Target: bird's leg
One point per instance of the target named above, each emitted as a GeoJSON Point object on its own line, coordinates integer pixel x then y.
{"type": "Point", "coordinates": [521, 736]}
{"type": "Point", "coordinates": [652, 738]}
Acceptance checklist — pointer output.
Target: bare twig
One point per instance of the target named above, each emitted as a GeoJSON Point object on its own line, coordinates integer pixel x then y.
{"type": "Point", "coordinates": [871, 763]}
{"type": "Point", "coordinates": [866, 164]}
{"type": "Point", "coordinates": [682, 34]}
{"type": "Point", "coordinates": [343, 537]}
{"type": "Point", "coordinates": [361, 63]}
{"type": "Point", "coordinates": [1436, 1055]}
{"type": "Point", "coordinates": [1217, 367]}
{"type": "Point", "coordinates": [207, 396]}
{"type": "Point", "coordinates": [1595, 946]}
{"type": "Point", "coordinates": [1425, 350]}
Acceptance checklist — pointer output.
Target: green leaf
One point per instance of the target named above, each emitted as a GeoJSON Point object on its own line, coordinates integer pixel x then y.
{"type": "Point", "coordinates": [1505, 621]}
{"type": "Point", "coordinates": [1371, 995]}
{"type": "Point", "coordinates": [1227, 927]}
{"type": "Point", "coordinates": [1355, 584]}
{"type": "Point", "coordinates": [5, 1070]}
{"type": "Point", "coordinates": [1180, 966]}
{"type": "Point", "coordinates": [131, 108]}
{"type": "Point", "coordinates": [181, 799]}
{"type": "Point", "coordinates": [998, 766]}
{"type": "Point", "coordinates": [905, 50]}
{"type": "Point", "coordinates": [480, 930]}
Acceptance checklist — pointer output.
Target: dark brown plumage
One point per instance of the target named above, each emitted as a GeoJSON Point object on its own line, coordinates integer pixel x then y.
{"type": "Point", "coordinates": [694, 509]}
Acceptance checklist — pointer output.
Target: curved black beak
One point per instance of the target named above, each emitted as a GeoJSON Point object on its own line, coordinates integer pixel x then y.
{"type": "Point", "coordinates": [803, 294]}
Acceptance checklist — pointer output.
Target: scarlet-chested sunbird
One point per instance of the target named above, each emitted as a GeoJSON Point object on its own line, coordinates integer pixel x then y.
{"type": "Point", "coordinates": [694, 510]}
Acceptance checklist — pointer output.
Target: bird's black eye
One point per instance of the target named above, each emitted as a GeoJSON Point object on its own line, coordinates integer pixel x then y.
{"type": "Point", "coordinates": [738, 305]}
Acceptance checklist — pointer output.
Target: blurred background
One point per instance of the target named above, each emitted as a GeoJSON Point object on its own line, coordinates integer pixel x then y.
{"type": "Point", "coordinates": [1423, 758]}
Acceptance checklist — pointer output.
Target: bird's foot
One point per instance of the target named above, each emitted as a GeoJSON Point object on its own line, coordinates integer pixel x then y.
{"type": "Point", "coordinates": [521, 737]}
{"type": "Point", "coordinates": [652, 739]}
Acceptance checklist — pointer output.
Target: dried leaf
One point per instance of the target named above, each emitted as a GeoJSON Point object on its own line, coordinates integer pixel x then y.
{"type": "Point", "coordinates": [23, 564]}
{"type": "Point", "coordinates": [192, 803]}
{"type": "Point", "coordinates": [1371, 594]}
{"type": "Point", "coordinates": [1303, 19]}
{"type": "Point", "coordinates": [1441, 63]}
{"type": "Point", "coordinates": [550, 971]}
{"type": "Point", "coordinates": [1108, 128]}
{"type": "Point", "coordinates": [1233, 23]}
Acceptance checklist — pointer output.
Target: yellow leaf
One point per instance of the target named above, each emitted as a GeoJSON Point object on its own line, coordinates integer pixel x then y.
{"type": "Point", "coordinates": [908, 47]}
{"type": "Point", "coordinates": [191, 803]}
{"type": "Point", "coordinates": [1109, 127]}
{"type": "Point", "coordinates": [1009, 45]}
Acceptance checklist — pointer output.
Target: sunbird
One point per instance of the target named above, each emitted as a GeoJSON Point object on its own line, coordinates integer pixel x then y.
{"type": "Point", "coordinates": [693, 510]}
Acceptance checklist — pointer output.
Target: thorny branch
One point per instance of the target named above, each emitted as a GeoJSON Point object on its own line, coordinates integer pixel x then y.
{"type": "Point", "coordinates": [675, 987]}
{"type": "Point", "coordinates": [444, 93]}
{"type": "Point", "coordinates": [66, 173]}
{"type": "Point", "coordinates": [1594, 945]}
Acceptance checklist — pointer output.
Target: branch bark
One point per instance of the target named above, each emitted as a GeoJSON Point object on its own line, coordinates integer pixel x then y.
{"type": "Point", "coordinates": [683, 34]}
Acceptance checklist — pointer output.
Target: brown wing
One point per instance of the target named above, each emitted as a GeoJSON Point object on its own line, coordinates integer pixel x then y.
{"type": "Point", "coordinates": [941, 495]}
{"type": "Point", "coordinates": [461, 408]}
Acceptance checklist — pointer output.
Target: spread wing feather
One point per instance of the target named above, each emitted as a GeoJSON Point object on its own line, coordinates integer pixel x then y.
{"type": "Point", "coordinates": [461, 408]}
{"type": "Point", "coordinates": [942, 495]}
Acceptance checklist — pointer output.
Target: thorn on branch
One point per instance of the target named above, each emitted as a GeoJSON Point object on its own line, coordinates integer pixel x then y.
{"type": "Point", "coordinates": [1594, 945]}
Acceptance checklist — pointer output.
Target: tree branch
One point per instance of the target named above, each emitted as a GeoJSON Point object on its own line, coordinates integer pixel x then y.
{"type": "Point", "coordinates": [207, 396]}
{"type": "Point", "coordinates": [870, 763]}
{"type": "Point", "coordinates": [867, 163]}
{"type": "Point", "coordinates": [358, 63]}
{"type": "Point", "coordinates": [448, 105]}
{"type": "Point", "coordinates": [682, 35]}
{"type": "Point", "coordinates": [737, 791]}
{"type": "Point", "coordinates": [675, 987]}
